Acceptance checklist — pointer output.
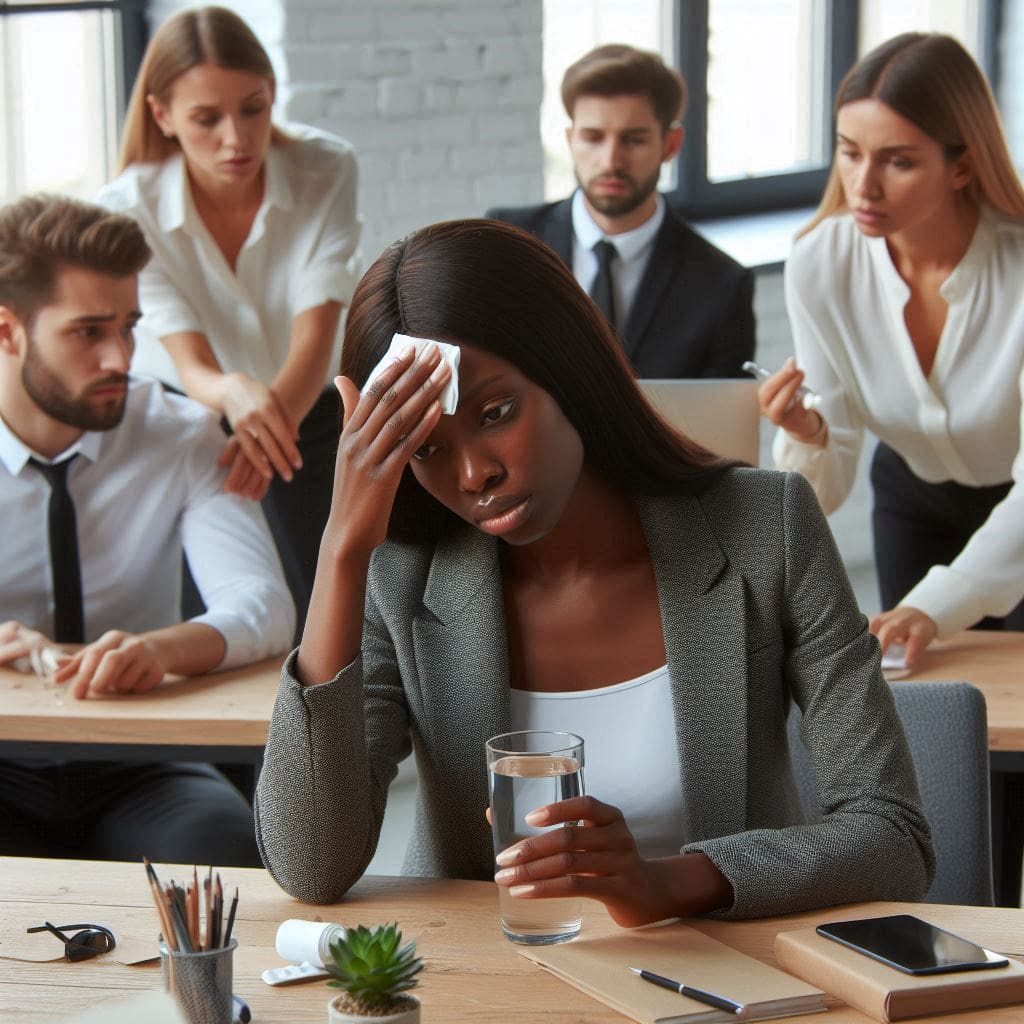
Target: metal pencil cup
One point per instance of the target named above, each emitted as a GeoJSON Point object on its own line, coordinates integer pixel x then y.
{"type": "Point", "coordinates": [200, 982]}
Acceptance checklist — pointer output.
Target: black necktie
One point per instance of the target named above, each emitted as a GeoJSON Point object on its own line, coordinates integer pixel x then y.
{"type": "Point", "coordinates": [68, 620]}
{"type": "Point", "coordinates": [601, 290]}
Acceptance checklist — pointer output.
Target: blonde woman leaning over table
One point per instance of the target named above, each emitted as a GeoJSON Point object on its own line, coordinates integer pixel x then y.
{"type": "Point", "coordinates": [254, 235]}
{"type": "Point", "coordinates": [552, 555]}
{"type": "Point", "coordinates": [905, 299]}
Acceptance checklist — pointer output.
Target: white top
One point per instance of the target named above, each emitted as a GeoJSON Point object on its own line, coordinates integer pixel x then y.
{"type": "Point", "coordinates": [634, 248]}
{"type": "Point", "coordinates": [301, 252]}
{"type": "Point", "coordinates": [630, 752]}
{"type": "Point", "coordinates": [143, 491]}
{"type": "Point", "coordinates": [962, 423]}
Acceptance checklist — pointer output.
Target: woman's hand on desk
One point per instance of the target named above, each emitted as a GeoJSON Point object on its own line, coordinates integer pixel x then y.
{"type": "Point", "coordinates": [596, 856]}
{"type": "Point", "coordinates": [911, 627]}
{"type": "Point", "coordinates": [779, 403]}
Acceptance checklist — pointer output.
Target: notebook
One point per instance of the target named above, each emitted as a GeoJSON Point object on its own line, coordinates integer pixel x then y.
{"type": "Point", "coordinates": [722, 415]}
{"type": "Point", "coordinates": [600, 968]}
{"type": "Point", "coordinates": [887, 994]}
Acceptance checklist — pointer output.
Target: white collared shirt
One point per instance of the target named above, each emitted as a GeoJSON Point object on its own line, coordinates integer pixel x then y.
{"type": "Point", "coordinates": [143, 491]}
{"type": "Point", "coordinates": [962, 422]}
{"type": "Point", "coordinates": [634, 249]}
{"type": "Point", "coordinates": [301, 252]}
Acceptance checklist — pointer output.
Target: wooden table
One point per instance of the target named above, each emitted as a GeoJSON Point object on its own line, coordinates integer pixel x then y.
{"type": "Point", "coordinates": [222, 716]}
{"type": "Point", "coordinates": [472, 976]}
{"type": "Point", "coordinates": [994, 663]}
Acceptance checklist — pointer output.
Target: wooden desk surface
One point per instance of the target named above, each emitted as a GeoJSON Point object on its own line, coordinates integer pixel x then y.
{"type": "Point", "coordinates": [233, 708]}
{"type": "Point", "coordinates": [992, 661]}
{"type": "Point", "coordinates": [225, 709]}
{"type": "Point", "coordinates": [472, 975]}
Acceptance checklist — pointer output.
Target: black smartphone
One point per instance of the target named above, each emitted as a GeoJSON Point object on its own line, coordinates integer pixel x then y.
{"type": "Point", "coordinates": [911, 945]}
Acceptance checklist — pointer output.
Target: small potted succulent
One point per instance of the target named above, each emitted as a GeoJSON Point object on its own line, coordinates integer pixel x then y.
{"type": "Point", "coordinates": [376, 972]}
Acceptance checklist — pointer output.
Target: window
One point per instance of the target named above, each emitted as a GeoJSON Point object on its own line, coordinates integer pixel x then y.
{"type": "Point", "coordinates": [761, 76]}
{"type": "Point", "coordinates": [62, 89]}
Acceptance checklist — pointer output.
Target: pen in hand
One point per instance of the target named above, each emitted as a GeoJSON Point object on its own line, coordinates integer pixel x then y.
{"type": "Point", "coordinates": [804, 395]}
{"type": "Point", "coordinates": [708, 998]}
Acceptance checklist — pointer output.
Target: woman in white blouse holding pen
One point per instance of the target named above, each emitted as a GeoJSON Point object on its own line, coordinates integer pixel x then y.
{"type": "Point", "coordinates": [907, 308]}
{"type": "Point", "coordinates": [254, 235]}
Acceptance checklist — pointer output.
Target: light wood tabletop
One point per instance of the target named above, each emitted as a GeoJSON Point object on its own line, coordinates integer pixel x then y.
{"type": "Point", "coordinates": [221, 709]}
{"type": "Point", "coordinates": [472, 973]}
{"type": "Point", "coordinates": [994, 663]}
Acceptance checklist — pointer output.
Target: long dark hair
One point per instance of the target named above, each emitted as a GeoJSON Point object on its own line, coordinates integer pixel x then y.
{"type": "Point", "coordinates": [486, 284]}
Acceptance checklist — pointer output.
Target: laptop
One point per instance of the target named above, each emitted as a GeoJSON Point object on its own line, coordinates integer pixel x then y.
{"type": "Point", "coordinates": [722, 415]}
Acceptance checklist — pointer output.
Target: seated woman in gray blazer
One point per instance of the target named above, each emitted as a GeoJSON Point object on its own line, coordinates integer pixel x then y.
{"type": "Point", "coordinates": [553, 549]}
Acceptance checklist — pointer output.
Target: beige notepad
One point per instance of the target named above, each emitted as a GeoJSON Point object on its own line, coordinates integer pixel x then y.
{"type": "Point", "coordinates": [887, 994]}
{"type": "Point", "coordinates": [600, 967]}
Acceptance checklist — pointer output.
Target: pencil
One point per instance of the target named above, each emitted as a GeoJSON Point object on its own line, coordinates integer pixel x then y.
{"type": "Point", "coordinates": [207, 883]}
{"type": "Point", "coordinates": [231, 918]}
{"type": "Point", "coordinates": [192, 904]}
{"type": "Point", "coordinates": [218, 911]}
{"type": "Point", "coordinates": [176, 903]}
{"type": "Point", "coordinates": [166, 927]}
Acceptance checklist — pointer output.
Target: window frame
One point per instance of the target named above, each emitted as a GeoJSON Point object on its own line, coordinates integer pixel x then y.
{"type": "Point", "coordinates": [697, 198]}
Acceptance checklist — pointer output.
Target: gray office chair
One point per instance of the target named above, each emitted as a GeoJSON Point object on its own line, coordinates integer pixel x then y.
{"type": "Point", "coordinates": [947, 730]}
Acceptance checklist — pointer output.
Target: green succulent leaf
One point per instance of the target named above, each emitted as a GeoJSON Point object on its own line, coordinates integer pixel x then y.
{"type": "Point", "coordinates": [372, 965]}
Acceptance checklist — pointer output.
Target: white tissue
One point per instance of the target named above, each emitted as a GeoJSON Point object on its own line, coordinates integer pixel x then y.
{"type": "Point", "coordinates": [450, 354]}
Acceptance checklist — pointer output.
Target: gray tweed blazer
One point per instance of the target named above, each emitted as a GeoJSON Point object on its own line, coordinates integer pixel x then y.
{"type": "Point", "coordinates": [757, 612]}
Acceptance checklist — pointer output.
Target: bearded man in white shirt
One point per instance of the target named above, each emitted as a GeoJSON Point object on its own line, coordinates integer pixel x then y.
{"type": "Point", "coordinates": [104, 482]}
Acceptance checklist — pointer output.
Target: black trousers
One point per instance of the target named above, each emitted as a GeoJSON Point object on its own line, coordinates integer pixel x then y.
{"type": "Point", "coordinates": [296, 512]}
{"type": "Point", "coordinates": [917, 525]}
{"type": "Point", "coordinates": [98, 810]}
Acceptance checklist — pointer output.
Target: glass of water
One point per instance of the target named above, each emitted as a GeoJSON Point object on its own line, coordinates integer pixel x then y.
{"type": "Point", "coordinates": [527, 770]}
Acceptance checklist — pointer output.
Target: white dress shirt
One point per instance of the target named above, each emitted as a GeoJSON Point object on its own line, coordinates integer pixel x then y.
{"type": "Point", "coordinates": [301, 252]}
{"type": "Point", "coordinates": [634, 249]}
{"type": "Point", "coordinates": [143, 491]}
{"type": "Point", "coordinates": [630, 751]}
{"type": "Point", "coordinates": [962, 423]}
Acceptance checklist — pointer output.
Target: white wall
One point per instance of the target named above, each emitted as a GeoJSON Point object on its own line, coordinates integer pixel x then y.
{"type": "Point", "coordinates": [439, 97]}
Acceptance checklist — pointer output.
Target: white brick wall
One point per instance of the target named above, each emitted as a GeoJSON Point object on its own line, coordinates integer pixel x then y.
{"type": "Point", "coordinates": [439, 97]}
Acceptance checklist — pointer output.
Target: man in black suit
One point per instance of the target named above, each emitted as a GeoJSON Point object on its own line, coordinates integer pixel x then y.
{"type": "Point", "coordinates": [681, 307]}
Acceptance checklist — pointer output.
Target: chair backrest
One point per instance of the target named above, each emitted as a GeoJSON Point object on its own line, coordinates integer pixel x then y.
{"type": "Point", "coordinates": [947, 730]}
{"type": "Point", "coordinates": [721, 414]}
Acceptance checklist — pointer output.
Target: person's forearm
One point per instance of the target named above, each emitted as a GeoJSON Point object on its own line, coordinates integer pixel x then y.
{"type": "Point", "coordinates": [301, 378]}
{"type": "Point", "coordinates": [200, 372]}
{"type": "Point", "coordinates": [333, 634]}
{"type": "Point", "coordinates": [693, 885]}
{"type": "Point", "coordinates": [187, 649]}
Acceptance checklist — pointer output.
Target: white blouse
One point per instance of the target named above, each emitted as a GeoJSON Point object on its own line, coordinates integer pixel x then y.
{"type": "Point", "coordinates": [301, 252]}
{"type": "Point", "coordinates": [630, 752]}
{"type": "Point", "coordinates": [963, 422]}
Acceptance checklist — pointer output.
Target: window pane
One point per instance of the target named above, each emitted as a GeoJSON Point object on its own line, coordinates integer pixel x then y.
{"type": "Point", "coordinates": [765, 116]}
{"type": "Point", "coordinates": [882, 19]}
{"type": "Point", "coordinates": [573, 28]}
{"type": "Point", "coordinates": [58, 102]}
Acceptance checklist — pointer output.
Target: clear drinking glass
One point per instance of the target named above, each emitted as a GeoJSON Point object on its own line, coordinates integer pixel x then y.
{"type": "Point", "coordinates": [526, 770]}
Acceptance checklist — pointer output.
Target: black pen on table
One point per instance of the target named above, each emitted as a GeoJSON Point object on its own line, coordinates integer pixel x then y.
{"type": "Point", "coordinates": [708, 998]}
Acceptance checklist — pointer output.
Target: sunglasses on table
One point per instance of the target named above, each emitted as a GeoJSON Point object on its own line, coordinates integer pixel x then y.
{"type": "Point", "coordinates": [83, 945]}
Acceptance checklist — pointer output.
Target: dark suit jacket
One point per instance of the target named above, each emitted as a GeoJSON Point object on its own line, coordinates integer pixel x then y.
{"type": "Point", "coordinates": [693, 314]}
{"type": "Point", "coordinates": [757, 612]}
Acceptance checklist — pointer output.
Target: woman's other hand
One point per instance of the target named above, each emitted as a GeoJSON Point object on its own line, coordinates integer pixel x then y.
{"type": "Point", "coordinates": [779, 403]}
{"type": "Point", "coordinates": [911, 627]}
{"type": "Point", "coordinates": [595, 856]}
{"type": "Point", "coordinates": [382, 431]}
{"type": "Point", "coordinates": [262, 426]}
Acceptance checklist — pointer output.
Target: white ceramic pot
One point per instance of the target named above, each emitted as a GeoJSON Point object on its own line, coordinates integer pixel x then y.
{"type": "Point", "coordinates": [409, 1014]}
